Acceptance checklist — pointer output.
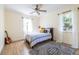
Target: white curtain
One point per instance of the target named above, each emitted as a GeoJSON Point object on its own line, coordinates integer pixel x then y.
{"type": "Point", "coordinates": [65, 35]}
{"type": "Point", "coordinates": [27, 25]}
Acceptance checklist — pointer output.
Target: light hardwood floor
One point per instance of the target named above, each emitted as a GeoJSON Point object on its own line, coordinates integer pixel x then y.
{"type": "Point", "coordinates": [19, 48]}
{"type": "Point", "coordinates": [16, 48]}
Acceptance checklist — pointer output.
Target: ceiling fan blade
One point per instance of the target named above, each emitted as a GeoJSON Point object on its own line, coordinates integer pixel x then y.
{"type": "Point", "coordinates": [37, 6]}
{"type": "Point", "coordinates": [43, 10]}
{"type": "Point", "coordinates": [38, 13]}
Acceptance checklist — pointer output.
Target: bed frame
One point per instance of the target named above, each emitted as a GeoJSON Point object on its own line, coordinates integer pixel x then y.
{"type": "Point", "coordinates": [45, 31]}
{"type": "Point", "coordinates": [50, 30]}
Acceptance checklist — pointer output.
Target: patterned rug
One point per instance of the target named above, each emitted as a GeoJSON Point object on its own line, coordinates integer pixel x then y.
{"type": "Point", "coordinates": [52, 48]}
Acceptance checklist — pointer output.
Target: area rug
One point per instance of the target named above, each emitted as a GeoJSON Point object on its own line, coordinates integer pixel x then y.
{"type": "Point", "coordinates": [52, 48]}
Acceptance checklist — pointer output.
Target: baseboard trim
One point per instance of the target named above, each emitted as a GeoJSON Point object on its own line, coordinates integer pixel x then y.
{"type": "Point", "coordinates": [18, 40]}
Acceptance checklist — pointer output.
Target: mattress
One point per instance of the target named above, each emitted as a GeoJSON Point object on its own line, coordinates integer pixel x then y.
{"type": "Point", "coordinates": [34, 38]}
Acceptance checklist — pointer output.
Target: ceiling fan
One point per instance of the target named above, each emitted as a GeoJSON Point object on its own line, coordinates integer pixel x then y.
{"type": "Point", "coordinates": [37, 9]}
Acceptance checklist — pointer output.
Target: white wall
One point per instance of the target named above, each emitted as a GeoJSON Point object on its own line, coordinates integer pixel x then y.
{"type": "Point", "coordinates": [14, 24]}
{"type": "Point", "coordinates": [76, 29]}
{"type": "Point", "coordinates": [50, 20]}
{"type": "Point", "coordinates": [1, 27]}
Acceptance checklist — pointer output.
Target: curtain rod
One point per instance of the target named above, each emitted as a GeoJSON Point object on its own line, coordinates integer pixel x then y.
{"type": "Point", "coordinates": [64, 12]}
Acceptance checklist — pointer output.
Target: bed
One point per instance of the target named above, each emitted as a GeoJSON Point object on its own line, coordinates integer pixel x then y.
{"type": "Point", "coordinates": [37, 37]}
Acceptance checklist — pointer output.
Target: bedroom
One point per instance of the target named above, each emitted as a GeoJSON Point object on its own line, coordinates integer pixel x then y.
{"type": "Point", "coordinates": [16, 15]}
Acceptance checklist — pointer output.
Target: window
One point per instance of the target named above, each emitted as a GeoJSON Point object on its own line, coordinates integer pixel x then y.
{"type": "Point", "coordinates": [66, 20]}
{"type": "Point", "coordinates": [27, 25]}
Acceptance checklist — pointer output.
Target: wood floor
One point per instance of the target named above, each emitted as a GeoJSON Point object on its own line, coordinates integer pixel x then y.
{"type": "Point", "coordinates": [19, 48]}
{"type": "Point", "coordinates": [16, 48]}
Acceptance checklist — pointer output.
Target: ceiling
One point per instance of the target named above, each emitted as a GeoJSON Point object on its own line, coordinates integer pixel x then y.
{"type": "Point", "coordinates": [27, 8]}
